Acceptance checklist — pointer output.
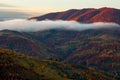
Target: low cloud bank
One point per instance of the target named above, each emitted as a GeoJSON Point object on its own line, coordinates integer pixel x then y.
{"type": "Point", "coordinates": [30, 25]}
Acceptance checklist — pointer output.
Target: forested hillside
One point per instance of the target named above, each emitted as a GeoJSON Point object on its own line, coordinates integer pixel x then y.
{"type": "Point", "coordinates": [73, 53]}
{"type": "Point", "coordinates": [21, 67]}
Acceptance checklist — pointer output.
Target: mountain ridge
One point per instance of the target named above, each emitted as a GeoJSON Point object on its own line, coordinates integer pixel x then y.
{"type": "Point", "coordinates": [86, 15]}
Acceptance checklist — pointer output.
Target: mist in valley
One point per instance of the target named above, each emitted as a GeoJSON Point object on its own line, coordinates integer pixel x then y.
{"type": "Point", "coordinates": [33, 25]}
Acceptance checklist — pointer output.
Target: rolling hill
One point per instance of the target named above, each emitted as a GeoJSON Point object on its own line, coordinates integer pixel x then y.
{"type": "Point", "coordinates": [23, 43]}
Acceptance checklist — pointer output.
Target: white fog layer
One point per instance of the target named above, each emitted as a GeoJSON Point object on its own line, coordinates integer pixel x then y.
{"type": "Point", "coordinates": [30, 25]}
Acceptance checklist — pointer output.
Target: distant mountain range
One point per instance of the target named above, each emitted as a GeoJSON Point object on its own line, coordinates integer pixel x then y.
{"type": "Point", "coordinates": [89, 15]}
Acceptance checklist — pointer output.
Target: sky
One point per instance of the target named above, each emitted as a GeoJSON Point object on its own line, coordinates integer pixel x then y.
{"type": "Point", "coordinates": [39, 7]}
